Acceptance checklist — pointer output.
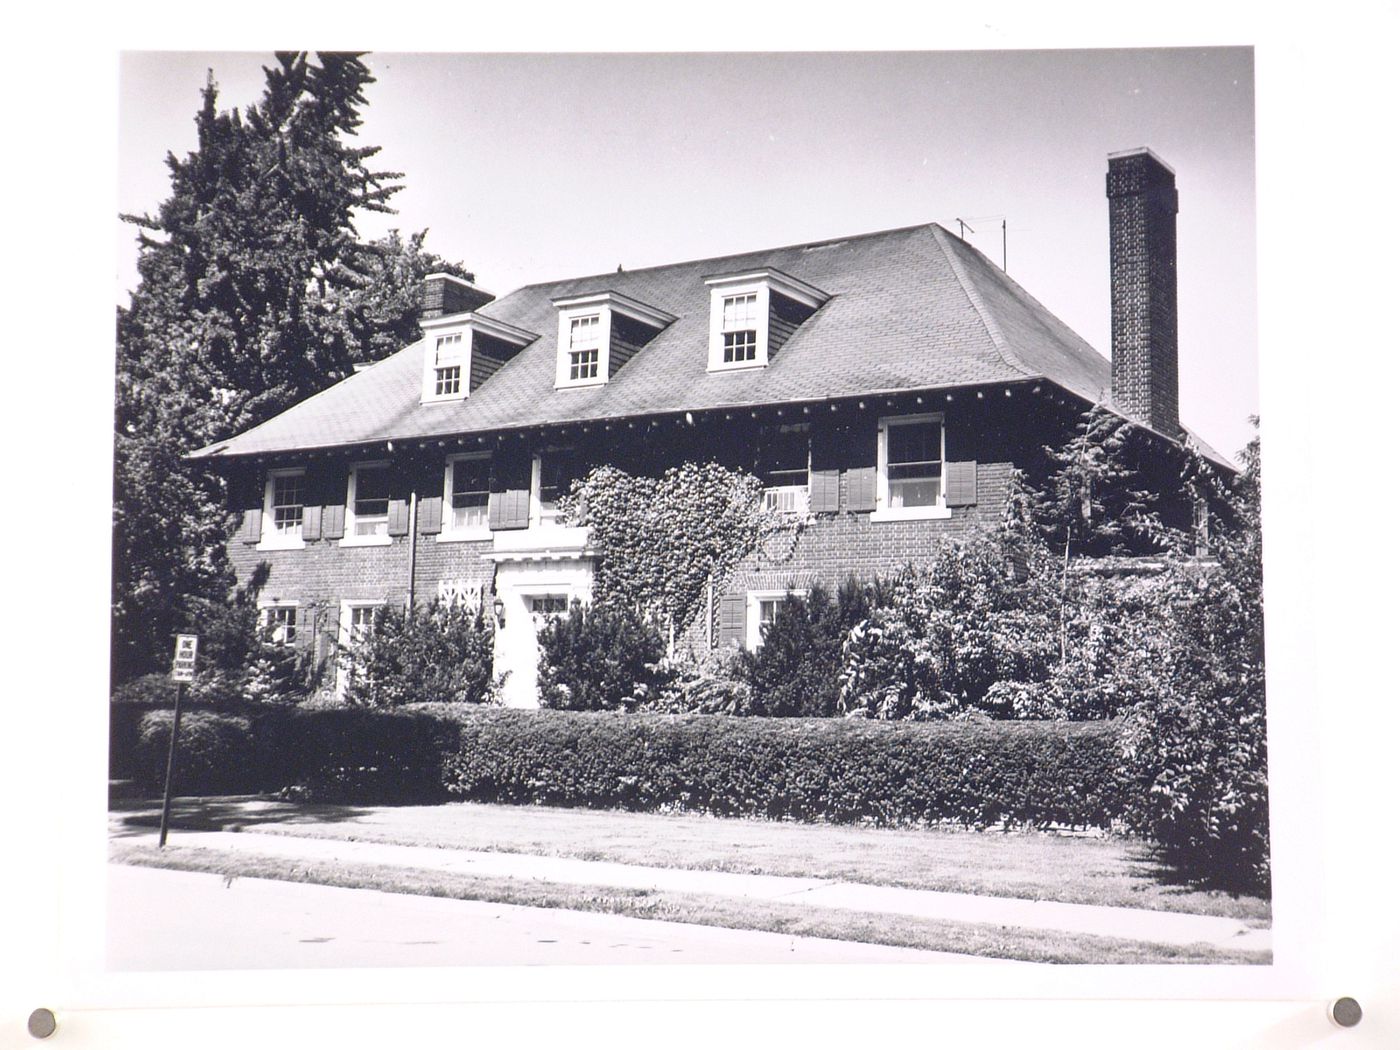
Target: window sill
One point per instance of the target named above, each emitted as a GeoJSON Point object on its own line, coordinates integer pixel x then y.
{"type": "Point", "coordinates": [366, 541]}
{"type": "Point", "coordinates": [938, 513]}
{"type": "Point", "coordinates": [282, 544]}
{"type": "Point", "coordinates": [445, 399]}
{"type": "Point", "coordinates": [571, 384]}
{"type": "Point", "coordinates": [747, 366]}
{"type": "Point", "coordinates": [464, 535]}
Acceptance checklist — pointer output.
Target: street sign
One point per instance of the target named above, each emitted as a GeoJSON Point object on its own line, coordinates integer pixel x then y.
{"type": "Point", "coordinates": [186, 646]}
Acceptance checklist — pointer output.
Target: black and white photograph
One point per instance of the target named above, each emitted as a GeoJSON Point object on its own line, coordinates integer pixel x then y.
{"type": "Point", "coordinates": [716, 543]}
{"type": "Point", "coordinates": [605, 525]}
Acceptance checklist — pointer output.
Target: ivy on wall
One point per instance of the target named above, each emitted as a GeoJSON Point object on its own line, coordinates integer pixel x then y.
{"type": "Point", "coordinates": [660, 540]}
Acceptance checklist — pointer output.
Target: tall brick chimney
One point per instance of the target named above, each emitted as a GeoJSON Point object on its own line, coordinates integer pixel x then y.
{"type": "Point", "coordinates": [1142, 275]}
{"type": "Point", "coordinates": [446, 294]}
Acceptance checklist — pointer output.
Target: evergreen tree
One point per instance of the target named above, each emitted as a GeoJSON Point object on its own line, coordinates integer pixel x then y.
{"type": "Point", "coordinates": [255, 292]}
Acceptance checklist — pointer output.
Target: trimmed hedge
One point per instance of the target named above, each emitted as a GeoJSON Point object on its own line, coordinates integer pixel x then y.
{"type": "Point", "coordinates": [977, 774]}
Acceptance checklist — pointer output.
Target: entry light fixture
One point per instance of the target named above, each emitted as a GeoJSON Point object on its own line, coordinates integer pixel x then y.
{"type": "Point", "coordinates": [499, 608]}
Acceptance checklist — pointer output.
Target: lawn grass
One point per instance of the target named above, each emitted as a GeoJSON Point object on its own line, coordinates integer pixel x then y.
{"type": "Point", "coordinates": [702, 909]}
{"type": "Point", "coordinates": [1114, 872]}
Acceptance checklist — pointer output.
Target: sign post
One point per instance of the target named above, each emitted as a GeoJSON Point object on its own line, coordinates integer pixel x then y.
{"type": "Point", "coordinates": [182, 672]}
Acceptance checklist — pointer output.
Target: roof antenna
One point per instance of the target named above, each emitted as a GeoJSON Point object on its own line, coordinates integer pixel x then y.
{"type": "Point", "coordinates": [963, 230]}
{"type": "Point", "coordinates": [1003, 245]}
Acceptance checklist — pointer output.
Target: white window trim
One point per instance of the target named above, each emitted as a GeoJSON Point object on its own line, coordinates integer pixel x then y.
{"type": "Point", "coordinates": [753, 630]}
{"type": "Point", "coordinates": [719, 292]}
{"type": "Point", "coordinates": [537, 519]}
{"type": "Point", "coordinates": [342, 638]}
{"type": "Point", "coordinates": [268, 538]}
{"type": "Point", "coordinates": [267, 604]}
{"type": "Point", "coordinates": [430, 394]}
{"type": "Point", "coordinates": [567, 316]}
{"type": "Point", "coordinates": [350, 539]}
{"type": "Point", "coordinates": [883, 511]}
{"type": "Point", "coordinates": [448, 533]}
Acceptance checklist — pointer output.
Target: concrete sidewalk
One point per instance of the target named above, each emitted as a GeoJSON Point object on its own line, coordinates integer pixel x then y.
{"type": "Point", "coordinates": [1158, 927]}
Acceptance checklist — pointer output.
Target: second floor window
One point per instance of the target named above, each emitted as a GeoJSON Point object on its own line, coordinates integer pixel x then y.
{"type": "Point", "coordinates": [287, 502]}
{"type": "Point", "coordinates": [783, 461]}
{"type": "Point", "coordinates": [739, 328]}
{"type": "Point", "coordinates": [447, 365]}
{"type": "Point", "coordinates": [470, 491]}
{"type": "Point", "coordinates": [554, 473]}
{"type": "Point", "coordinates": [370, 500]}
{"type": "Point", "coordinates": [914, 463]}
{"type": "Point", "coordinates": [584, 335]}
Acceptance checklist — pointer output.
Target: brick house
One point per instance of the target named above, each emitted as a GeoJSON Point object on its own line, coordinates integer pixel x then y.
{"type": "Point", "coordinates": [883, 386]}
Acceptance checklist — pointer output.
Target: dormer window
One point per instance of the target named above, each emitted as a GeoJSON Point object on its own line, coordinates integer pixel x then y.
{"type": "Point", "coordinates": [753, 314]}
{"type": "Point", "coordinates": [598, 334]}
{"type": "Point", "coordinates": [463, 351]}
{"type": "Point", "coordinates": [447, 365]}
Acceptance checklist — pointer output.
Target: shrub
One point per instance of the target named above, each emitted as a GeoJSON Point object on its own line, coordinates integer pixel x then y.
{"type": "Point", "coordinates": [713, 685]}
{"type": "Point", "coordinates": [797, 667]}
{"type": "Point", "coordinates": [217, 753]}
{"type": "Point", "coordinates": [955, 627]}
{"type": "Point", "coordinates": [147, 689]}
{"type": "Point", "coordinates": [438, 652]}
{"type": "Point", "coordinates": [600, 657]}
{"type": "Point", "coordinates": [977, 774]}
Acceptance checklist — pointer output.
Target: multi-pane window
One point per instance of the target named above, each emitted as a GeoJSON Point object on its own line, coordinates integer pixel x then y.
{"type": "Point", "coordinates": [548, 605]}
{"type": "Point", "coordinates": [280, 624]}
{"type": "Point", "coordinates": [783, 459]}
{"type": "Point", "coordinates": [914, 462]}
{"type": "Point", "coordinates": [470, 492]}
{"type": "Point", "coordinates": [584, 336]}
{"type": "Point", "coordinates": [447, 365]}
{"type": "Point", "coordinates": [739, 328]}
{"type": "Point", "coordinates": [371, 500]}
{"type": "Point", "coordinates": [556, 473]}
{"type": "Point", "coordinates": [287, 502]}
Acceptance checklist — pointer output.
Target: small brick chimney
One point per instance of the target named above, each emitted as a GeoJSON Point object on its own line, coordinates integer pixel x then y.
{"type": "Point", "coordinates": [445, 294]}
{"type": "Point", "coordinates": [1142, 276]}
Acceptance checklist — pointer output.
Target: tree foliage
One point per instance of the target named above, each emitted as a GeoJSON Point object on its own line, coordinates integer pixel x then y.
{"type": "Point", "coordinates": [438, 652]}
{"type": "Point", "coordinates": [600, 657]}
{"type": "Point", "coordinates": [255, 292]}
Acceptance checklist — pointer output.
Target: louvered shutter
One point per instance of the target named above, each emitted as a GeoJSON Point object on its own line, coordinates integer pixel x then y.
{"type": "Point", "coordinates": [860, 488]}
{"type": "Point", "coordinates": [962, 483]}
{"type": "Point", "coordinates": [333, 495]}
{"type": "Point", "coordinates": [824, 492]}
{"type": "Point", "coordinates": [509, 509]}
{"type": "Point", "coordinates": [733, 619]}
{"type": "Point", "coordinates": [430, 515]}
{"type": "Point", "coordinates": [251, 531]}
{"type": "Point", "coordinates": [398, 517]}
{"type": "Point", "coordinates": [311, 522]}
{"type": "Point", "coordinates": [333, 521]}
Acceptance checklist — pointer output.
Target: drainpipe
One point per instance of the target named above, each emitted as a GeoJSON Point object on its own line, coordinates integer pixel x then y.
{"type": "Point", "coordinates": [412, 544]}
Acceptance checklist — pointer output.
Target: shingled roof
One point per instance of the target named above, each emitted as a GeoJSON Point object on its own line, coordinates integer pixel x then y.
{"type": "Point", "coordinates": [910, 309]}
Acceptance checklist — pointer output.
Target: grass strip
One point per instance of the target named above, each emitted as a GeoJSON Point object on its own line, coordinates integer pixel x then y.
{"type": "Point", "coordinates": [965, 938]}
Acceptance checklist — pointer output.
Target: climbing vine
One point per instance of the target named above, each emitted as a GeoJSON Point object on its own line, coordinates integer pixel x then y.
{"type": "Point", "coordinates": [659, 541]}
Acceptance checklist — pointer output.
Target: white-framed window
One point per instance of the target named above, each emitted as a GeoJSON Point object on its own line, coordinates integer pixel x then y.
{"type": "Point", "coordinates": [909, 473]}
{"type": "Point", "coordinates": [584, 339]}
{"type": "Point", "coordinates": [465, 497]}
{"type": "Point", "coordinates": [367, 505]}
{"type": "Point", "coordinates": [448, 358]}
{"type": "Point", "coordinates": [284, 502]}
{"type": "Point", "coordinates": [278, 622]}
{"type": "Point", "coordinates": [741, 311]}
{"type": "Point", "coordinates": [548, 606]}
{"type": "Point", "coordinates": [762, 608]}
{"type": "Point", "coordinates": [552, 473]}
{"type": "Point", "coordinates": [784, 466]}
{"type": "Point", "coordinates": [356, 622]}
{"type": "Point", "coordinates": [739, 328]}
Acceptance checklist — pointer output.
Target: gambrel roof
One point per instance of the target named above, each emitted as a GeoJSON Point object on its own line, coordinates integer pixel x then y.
{"type": "Point", "coordinates": [909, 309]}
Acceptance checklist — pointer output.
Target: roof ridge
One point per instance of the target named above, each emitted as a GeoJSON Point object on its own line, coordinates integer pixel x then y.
{"type": "Point", "coordinates": [728, 255]}
{"type": "Point", "coordinates": [974, 297]}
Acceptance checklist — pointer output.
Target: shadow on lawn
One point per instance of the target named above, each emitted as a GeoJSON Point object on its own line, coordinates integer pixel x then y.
{"type": "Point", "coordinates": [1146, 862]}
{"type": "Point", "coordinates": [130, 817]}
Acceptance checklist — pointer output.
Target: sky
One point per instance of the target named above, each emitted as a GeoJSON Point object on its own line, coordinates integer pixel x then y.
{"type": "Point", "coordinates": [536, 167]}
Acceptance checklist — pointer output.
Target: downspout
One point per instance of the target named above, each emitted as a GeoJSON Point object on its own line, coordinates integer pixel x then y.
{"type": "Point", "coordinates": [412, 545]}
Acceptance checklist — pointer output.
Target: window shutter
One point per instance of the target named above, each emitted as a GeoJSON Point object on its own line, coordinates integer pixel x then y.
{"type": "Point", "coordinates": [251, 531]}
{"type": "Point", "coordinates": [398, 517]}
{"type": "Point", "coordinates": [311, 522]}
{"type": "Point", "coordinates": [733, 619]}
{"type": "Point", "coordinates": [824, 491]}
{"type": "Point", "coordinates": [962, 483]}
{"type": "Point", "coordinates": [334, 493]}
{"type": "Point", "coordinates": [429, 515]}
{"type": "Point", "coordinates": [509, 509]}
{"type": "Point", "coordinates": [860, 488]}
